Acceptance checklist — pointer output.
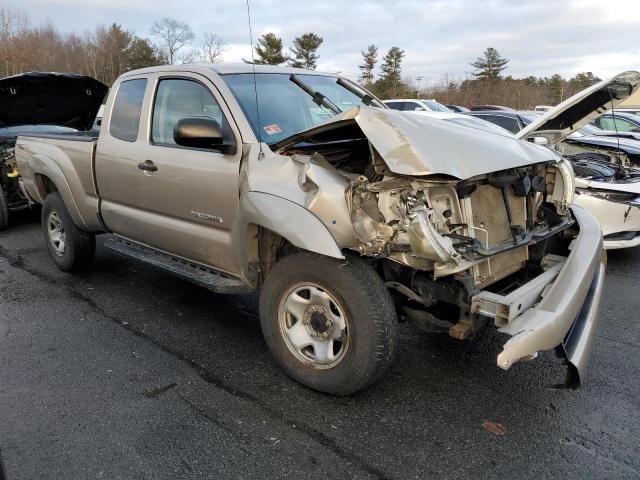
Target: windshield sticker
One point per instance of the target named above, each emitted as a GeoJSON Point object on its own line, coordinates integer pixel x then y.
{"type": "Point", "coordinates": [272, 129]}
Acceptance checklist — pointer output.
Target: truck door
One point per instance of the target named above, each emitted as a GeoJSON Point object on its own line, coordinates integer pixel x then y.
{"type": "Point", "coordinates": [180, 200]}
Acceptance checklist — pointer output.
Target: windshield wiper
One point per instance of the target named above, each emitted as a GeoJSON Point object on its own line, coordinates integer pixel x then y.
{"type": "Point", "coordinates": [365, 97]}
{"type": "Point", "coordinates": [318, 98]}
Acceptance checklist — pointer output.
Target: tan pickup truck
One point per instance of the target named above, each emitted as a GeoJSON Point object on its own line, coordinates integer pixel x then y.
{"type": "Point", "coordinates": [348, 216]}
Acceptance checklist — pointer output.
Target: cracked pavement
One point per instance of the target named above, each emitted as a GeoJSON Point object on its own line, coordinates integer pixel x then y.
{"type": "Point", "coordinates": [130, 373]}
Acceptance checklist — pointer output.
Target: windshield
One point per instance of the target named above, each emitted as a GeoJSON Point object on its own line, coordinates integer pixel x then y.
{"type": "Point", "coordinates": [26, 129]}
{"type": "Point", "coordinates": [527, 118]}
{"type": "Point", "coordinates": [285, 107]}
{"type": "Point", "coordinates": [479, 124]}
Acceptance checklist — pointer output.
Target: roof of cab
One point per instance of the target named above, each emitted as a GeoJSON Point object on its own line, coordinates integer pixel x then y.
{"type": "Point", "coordinates": [226, 68]}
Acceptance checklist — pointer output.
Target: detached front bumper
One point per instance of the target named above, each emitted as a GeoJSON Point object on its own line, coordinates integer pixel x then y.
{"type": "Point", "coordinates": [557, 309]}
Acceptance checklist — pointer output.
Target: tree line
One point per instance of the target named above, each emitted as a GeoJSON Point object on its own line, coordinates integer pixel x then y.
{"type": "Point", "coordinates": [108, 51]}
{"type": "Point", "coordinates": [104, 53]}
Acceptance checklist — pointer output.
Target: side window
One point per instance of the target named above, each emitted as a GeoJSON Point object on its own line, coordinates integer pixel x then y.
{"type": "Point", "coordinates": [605, 123]}
{"type": "Point", "coordinates": [177, 99]}
{"type": "Point", "coordinates": [624, 125]}
{"type": "Point", "coordinates": [125, 115]}
{"type": "Point", "coordinates": [509, 123]}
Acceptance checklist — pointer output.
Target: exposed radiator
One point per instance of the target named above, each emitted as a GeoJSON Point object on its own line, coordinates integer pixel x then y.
{"type": "Point", "coordinates": [485, 209]}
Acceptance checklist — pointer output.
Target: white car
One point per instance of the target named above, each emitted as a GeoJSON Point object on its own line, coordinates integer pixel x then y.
{"type": "Point", "coordinates": [416, 105]}
{"type": "Point", "coordinates": [466, 121]}
{"type": "Point", "coordinates": [607, 186]}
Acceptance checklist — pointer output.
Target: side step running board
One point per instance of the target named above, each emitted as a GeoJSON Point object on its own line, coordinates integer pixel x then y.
{"type": "Point", "coordinates": [197, 274]}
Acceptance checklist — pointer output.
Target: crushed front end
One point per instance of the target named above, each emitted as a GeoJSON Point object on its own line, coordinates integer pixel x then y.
{"type": "Point", "coordinates": [466, 227]}
{"type": "Point", "coordinates": [497, 247]}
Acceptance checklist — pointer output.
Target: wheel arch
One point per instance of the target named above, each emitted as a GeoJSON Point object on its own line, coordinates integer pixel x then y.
{"type": "Point", "coordinates": [281, 224]}
{"type": "Point", "coordinates": [54, 181]}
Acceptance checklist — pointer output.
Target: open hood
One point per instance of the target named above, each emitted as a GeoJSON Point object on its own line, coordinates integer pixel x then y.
{"type": "Point", "coordinates": [419, 145]}
{"type": "Point", "coordinates": [42, 98]}
{"type": "Point", "coordinates": [585, 106]}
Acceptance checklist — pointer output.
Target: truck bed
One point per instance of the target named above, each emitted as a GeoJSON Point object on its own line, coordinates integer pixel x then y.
{"type": "Point", "coordinates": [64, 160]}
{"type": "Point", "coordinates": [90, 136]}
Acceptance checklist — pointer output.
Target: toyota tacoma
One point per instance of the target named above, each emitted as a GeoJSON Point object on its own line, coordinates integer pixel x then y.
{"type": "Point", "coordinates": [347, 216]}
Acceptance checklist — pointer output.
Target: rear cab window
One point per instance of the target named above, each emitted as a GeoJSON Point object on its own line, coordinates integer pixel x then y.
{"type": "Point", "coordinates": [127, 107]}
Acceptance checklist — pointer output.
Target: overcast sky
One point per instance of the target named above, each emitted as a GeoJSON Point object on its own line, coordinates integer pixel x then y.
{"type": "Point", "coordinates": [540, 37]}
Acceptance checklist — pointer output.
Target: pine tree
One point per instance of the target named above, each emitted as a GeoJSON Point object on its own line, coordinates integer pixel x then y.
{"type": "Point", "coordinates": [391, 71]}
{"type": "Point", "coordinates": [490, 65]}
{"type": "Point", "coordinates": [141, 54]}
{"type": "Point", "coordinates": [304, 51]}
{"type": "Point", "coordinates": [269, 50]}
{"type": "Point", "coordinates": [369, 60]}
{"type": "Point", "coordinates": [556, 86]}
{"type": "Point", "coordinates": [583, 80]}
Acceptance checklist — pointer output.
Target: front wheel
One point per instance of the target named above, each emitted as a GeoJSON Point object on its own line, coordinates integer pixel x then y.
{"type": "Point", "coordinates": [329, 323]}
{"type": "Point", "coordinates": [71, 249]}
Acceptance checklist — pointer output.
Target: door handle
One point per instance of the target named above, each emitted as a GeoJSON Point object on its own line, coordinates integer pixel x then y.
{"type": "Point", "coordinates": [148, 166]}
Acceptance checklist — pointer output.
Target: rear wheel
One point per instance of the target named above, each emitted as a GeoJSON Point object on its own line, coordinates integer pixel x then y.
{"type": "Point", "coordinates": [71, 249]}
{"type": "Point", "coordinates": [4, 210]}
{"type": "Point", "coordinates": [329, 323]}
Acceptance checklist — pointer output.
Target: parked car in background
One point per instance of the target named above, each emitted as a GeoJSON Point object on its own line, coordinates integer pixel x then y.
{"type": "Point", "coordinates": [589, 138]}
{"type": "Point", "coordinates": [411, 105]}
{"type": "Point", "coordinates": [474, 108]}
{"type": "Point", "coordinates": [39, 103]}
{"type": "Point", "coordinates": [457, 108]}
{"type": "Point", "coordinates": [542, 108]}
{"type": "Point", "coordinates": [632, 110]}
{"type": "Point", "coordinates": [591, 129]}
{"type": "Point", "coordinates": [466, 121]}
{"type": "Point", "coordinates": [347, 215]}
{"type": "Point", "coordinates": [618, 121]}
{"type": "Point", "coordinates": [607, 182]}
{"type": "Point", "coordinates": [509, 120]}
{"type": "Point", "coordinates": [98, 120]}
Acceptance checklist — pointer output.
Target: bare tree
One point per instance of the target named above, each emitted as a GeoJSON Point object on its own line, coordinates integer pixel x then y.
{"type": "Point", "coordinates": [172, 35]}
{"type": "Point", "coordinates": [212, 48]}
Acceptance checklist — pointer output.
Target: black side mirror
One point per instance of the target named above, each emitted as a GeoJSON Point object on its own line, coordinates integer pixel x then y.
{"type": "Point", "coordinates": [635, 130]}
{"type": "Point", "coordinates": [201, 132]}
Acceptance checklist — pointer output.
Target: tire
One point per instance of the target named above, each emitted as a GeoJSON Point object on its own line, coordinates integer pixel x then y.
{"type": "Point", "coordinates": [4, 210]}
{"type": "Point", "coordinates": [306, 297]}
{"type": "Point", "coordinates": [74, 249]}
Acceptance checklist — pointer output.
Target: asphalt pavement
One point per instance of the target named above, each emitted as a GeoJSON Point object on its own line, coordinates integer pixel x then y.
{"type": "Point", "coordinates": [128, 373]}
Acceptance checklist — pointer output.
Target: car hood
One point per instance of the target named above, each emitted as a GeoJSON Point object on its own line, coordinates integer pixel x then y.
{"type": "Point", "coordinates": [580, 109]}
{"type": "Point", "coordinates": [419, 145]}
{"type": "Point", "coordinates": [42, 98]}
{"type": "Point", "coordinates": [627, 145]}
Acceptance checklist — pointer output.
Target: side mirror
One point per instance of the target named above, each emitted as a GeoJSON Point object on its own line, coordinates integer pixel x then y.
{"type": "Point", "coordinates": [541, 140]}
{"type": "Point", "coordinates": [635, 130]}
{"type": "Point", "coordinates": [200, 132]}
{"type": "Point", "coordinates": [420, 109]}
